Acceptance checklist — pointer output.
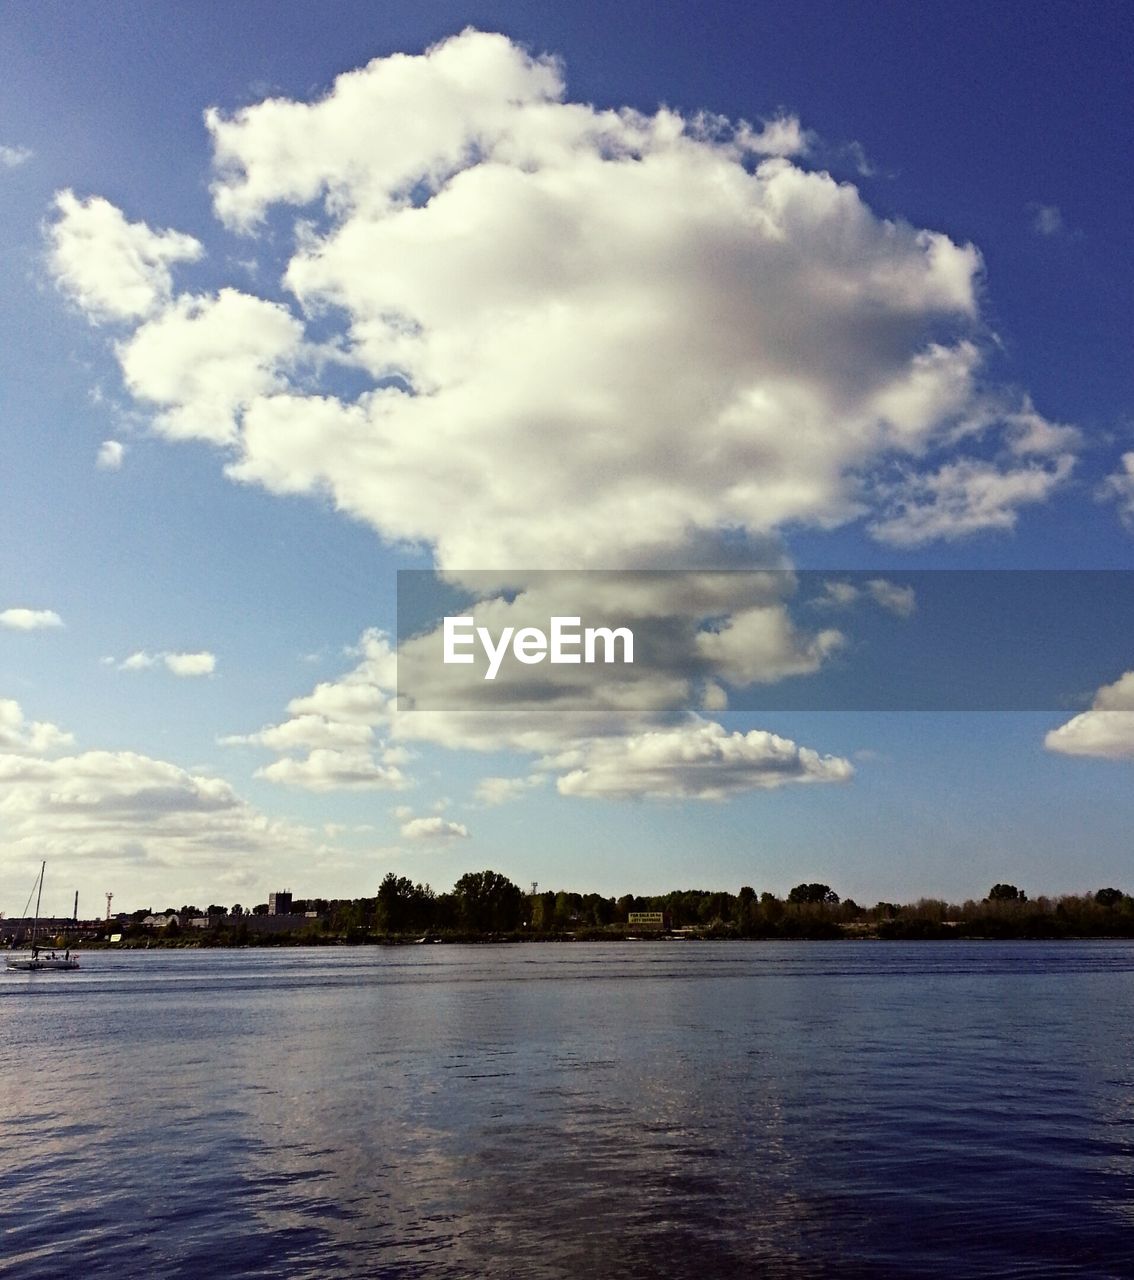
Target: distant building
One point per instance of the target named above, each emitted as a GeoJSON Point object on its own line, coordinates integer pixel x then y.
{"type": "Point", "coordinates": [279, 903]}
{"type": "Point", "coordinates": [161, 922]}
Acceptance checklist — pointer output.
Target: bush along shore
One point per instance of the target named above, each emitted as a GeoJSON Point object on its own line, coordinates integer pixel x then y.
{"type": "Point", "coordinates": [486, 906]}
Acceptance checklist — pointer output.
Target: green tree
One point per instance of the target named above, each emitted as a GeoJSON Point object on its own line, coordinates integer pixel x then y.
{"type": "Point", "coordinates": [814, 893]}
{"type": "Point", "coordinates": [1006, 893]}
{"type": "Point", "coordinates": [395, 903]}
{"type": "Point", "coordinates": [542, 911]}
{"type": "Point", "coordinates": [488, 901]}
{"type": "Point", "coordinates": [597, 909]}
{"type": "Point", "coordinates": [402, 906]}
{"type": "Point", "coordinates": [627, 903]}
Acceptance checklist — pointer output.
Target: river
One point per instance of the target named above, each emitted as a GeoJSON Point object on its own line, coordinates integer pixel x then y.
{"type": "Point", "coordinates": [610, 1110]}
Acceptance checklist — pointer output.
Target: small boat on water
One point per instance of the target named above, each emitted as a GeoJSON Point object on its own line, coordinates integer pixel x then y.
{"type": "Point", "coordinates": [37, 962]}
{"type": "Point", "coordinates": [42, 959]}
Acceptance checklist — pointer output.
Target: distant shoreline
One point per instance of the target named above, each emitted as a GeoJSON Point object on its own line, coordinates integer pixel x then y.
{"type": "Point", "coordinates": [486, 907]}
{"type": "Point", "coordinates": [284, 942]}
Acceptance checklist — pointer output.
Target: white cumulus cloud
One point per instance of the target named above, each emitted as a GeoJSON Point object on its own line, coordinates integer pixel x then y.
{"type": "Point", "coordinates": [434, 829]}
{"type": "Point", "coordinates": [122, 806]}
{"type": "Point", "coordinates": [328, 743]}
{"type": "Point", "coordinates": [330, 769]}
{"type": "Point", "coordinates": [1106, 730]}
{"type": "Point", "coordinates": [203, 360]}
{"type": "Point", "coordinates": [700, 760]}
{"type": "Point", "coordinates": [29, 619]}
{"type": "Point", "coordinates": [704, 335]}
{"type": "Point", "coordinates": [190, 664]}
{"type": "Point", "coordinates": [19, 736]}
{"type": "Point", "coordinates": [117, 805]}
{"type": "Point", "coordinates": [114, 269]}
{"type": "Point", "coordinates": [577, 337]}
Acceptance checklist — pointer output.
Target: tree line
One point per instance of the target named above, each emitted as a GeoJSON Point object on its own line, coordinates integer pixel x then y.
{"type": "Point", "coordinates": [488, 904]}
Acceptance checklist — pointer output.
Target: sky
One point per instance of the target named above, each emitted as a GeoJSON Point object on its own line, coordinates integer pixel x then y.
{"type": "Point", "coordinates": [297, 298]}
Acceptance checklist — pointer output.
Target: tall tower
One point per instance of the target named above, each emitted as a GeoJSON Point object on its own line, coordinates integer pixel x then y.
{"type": "Point", "coordinates": [109, 897]}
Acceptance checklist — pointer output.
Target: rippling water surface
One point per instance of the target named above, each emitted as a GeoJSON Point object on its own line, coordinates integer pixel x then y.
{"type": "Point", "coordinates": [665, 1109]}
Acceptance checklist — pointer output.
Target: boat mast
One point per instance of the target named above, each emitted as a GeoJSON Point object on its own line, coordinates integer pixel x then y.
{"type": "Point", "coordinates": [38, 896]}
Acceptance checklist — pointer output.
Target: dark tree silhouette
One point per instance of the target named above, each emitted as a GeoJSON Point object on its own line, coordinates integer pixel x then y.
{"type": "Point", "coordinates": [821, 893]}
{"type": "Point", "coordinates": [1006, 893]}
{"type": "Point", "coordinates": [488, 901]}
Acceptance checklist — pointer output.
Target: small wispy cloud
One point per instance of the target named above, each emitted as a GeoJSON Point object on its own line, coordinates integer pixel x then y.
{"type": "Point", "coordinates": [13, 157]}
{"type": "Point", "coordinates": [180, 664]}
{"type": "Point", "coordinates": [864, 166]}
{"type": "Point", "coordinates": [897, 600]}
{"type": "Point", "coordinates": [1119, 488]}
{"type": "Point", "coordinates": [494, 791]}
{"type": "Point", "coordinates": [1047, 219]}
{"type": "Point", "coordinates": [110, 455]}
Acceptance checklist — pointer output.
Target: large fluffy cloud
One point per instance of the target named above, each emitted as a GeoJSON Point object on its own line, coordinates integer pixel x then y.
{"type": "Point", "coordinates": [592, 337]}
{"type": "Point", "coordinates": [575, 338]}
{"type": "Point", "coordinates": [1106, 730]}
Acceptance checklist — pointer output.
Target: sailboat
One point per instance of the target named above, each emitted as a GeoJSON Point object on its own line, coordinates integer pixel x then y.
{"type": "Point", "coordinates": [36, 962]}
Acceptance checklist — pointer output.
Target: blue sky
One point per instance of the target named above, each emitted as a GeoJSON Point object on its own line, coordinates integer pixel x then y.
{"type": "Point", "coordinates": [926, 367]}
